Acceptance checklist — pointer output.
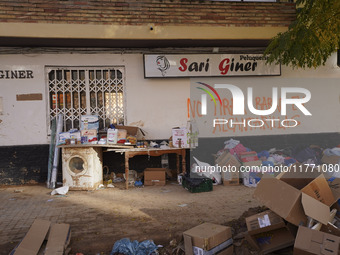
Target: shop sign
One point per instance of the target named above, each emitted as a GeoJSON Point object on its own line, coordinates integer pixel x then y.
{"type": "Point", "coordinates": [16, 74]}
{"type": "Point", "coordinates": [207, 65]}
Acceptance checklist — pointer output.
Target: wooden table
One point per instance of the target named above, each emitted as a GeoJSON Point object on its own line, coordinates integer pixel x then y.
{"type": "Point", "coordinates": [131, 152]}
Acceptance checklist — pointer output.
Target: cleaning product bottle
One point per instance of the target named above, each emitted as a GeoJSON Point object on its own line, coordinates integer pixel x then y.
{"type": "Point", "coordinates": [112, 136]}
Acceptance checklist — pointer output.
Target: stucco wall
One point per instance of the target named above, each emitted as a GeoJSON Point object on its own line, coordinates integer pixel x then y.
{"type": "Point", "coordinates": [156, 105]}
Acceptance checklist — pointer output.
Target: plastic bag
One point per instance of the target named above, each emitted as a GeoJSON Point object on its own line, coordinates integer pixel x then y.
{"type": "Point", "coordinates": [127, 247]}
{"type": "Point", "coordinates": [207, 171]}
{"type": "Point", "coordinates": [61, 191]}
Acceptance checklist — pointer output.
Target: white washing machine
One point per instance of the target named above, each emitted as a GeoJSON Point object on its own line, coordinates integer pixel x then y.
{"type": "Point", "coordinates": [82, 167]}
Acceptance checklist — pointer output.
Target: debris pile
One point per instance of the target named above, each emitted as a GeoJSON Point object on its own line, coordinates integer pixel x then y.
{"type": "Point", "coordinates": [300, 193]}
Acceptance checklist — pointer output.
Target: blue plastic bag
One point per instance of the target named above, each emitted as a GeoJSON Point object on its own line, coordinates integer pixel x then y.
{"type": "Point", "coordinates": [125, 246]}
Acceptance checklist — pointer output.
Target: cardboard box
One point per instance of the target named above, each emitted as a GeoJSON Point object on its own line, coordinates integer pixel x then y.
{"type": "Point", "coordinates": [182, 134]}
{"type": "Point", "coordinates": [154, 176]}
{"type": "Point", "coordinates": [89, 132]}
{"type": "Point", "coordinates": [263, 222]}
{"type": "Point", "coordinates": [230, 169]}
{"type": "Point", "coordinates": [313, 242]}
{"type": "Point", "coordinates": [270, 241]}
{"type": "Point", "coordinates": [331, 229]}
{"type": "Point", "coordinates": [330, 159]}
{"type": "Point", "coordinates": [290, 202]}
{"type": "Point", "coordinates": [89, 122]}
{"type": "Point", "coordinates": [63, 136]}
{"type": "Point", "coordinates": [75, 135]}
{"type": "Point", "coordinates": [230, 178]}
{"type": "Point", "coordinates": [208, 238]}
{"type": "Point", "coordinates": [91, 136]}
{"type": "Point", "coordinates": [33, 243]}
{"type": "Point", "coordinates": [134, 131]}
{"type": "Point", "coordinates": [319, 189]}
{"type": "Point", "coordinates": [254, 165]}
{"type": "Point", "coordinates": [58, 239]}
{"type": "Point", "coordinates": [226, 159]}
{"type": "Point", "coordinates": [248, 156]}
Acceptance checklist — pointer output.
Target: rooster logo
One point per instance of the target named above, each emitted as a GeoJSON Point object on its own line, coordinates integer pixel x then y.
{"type": "Point", "coordinates": [163, 64]}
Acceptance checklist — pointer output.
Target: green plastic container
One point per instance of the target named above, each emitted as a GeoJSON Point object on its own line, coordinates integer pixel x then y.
{"type": "Point", "coordinates": [197, 185]}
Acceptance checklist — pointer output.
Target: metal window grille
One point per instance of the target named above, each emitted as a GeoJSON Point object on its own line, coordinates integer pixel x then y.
{"type": "Point", "coordinates": [76, 91]}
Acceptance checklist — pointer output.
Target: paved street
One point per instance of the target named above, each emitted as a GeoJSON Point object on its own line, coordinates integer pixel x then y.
{"type": "Point", "coordinates": [101, 217]}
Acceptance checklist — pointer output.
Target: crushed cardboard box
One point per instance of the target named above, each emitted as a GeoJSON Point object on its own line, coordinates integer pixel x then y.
{"type": "Point", "coordinates": [208, 239]}
{"type": "Point", "coordinates": [57, 235]}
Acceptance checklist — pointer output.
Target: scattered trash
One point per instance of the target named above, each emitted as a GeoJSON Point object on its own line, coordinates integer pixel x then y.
{"type": "Point", "coordinates": [118, 179]}
{"type": "Point", "coordinates": [173, 243]}
{"type": "Point", "coordinates": [127, 247]}
{"type": "Point", "coordinates": [183, 205]}
{"type": "Point", "coordinates": [164, 145]}
{"type": "Point", "coordinates": [110, 185]}
{"type": "Point", "coordinates": [179, 178]}
{"type": "Point", "coordinates": [18, 190]}
{"type": "Point", "coordinates": [60, 196]}
{"type": "Point", "coordinates": [132, 176]}
{"type": "Point", "coordinates": [61, 191]}
{"type": "Point", "coordinates": [154, 145]}
{"type": "Point", "coordinates": [165, 190]}
{"type": "Point", "coordinates": [101, 186]}
{"type": "Point", "coordinates": [50, 200]}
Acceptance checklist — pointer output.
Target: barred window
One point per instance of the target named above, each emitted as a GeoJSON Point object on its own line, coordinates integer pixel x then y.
{"type": "Point", "coordinates": [76, 91]}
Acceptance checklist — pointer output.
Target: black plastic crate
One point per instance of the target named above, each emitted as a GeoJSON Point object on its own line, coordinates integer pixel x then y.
{"type": "Point", "coordinates": [197, 185]}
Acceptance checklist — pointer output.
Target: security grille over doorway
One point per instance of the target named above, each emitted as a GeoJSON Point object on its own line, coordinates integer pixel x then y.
{"type": "Point", "coordinates": [76, 91]}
